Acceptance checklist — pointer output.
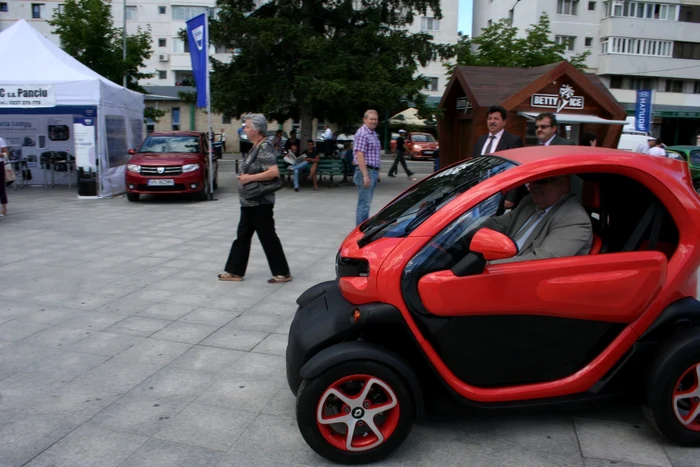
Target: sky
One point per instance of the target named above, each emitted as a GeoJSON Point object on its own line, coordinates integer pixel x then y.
{"type": "Point", "coordinates": [464, 23]}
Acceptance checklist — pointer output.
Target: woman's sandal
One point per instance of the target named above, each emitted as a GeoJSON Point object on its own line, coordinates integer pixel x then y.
{"type": "Point", "coordinates": [227, 276]}
{"type": "Point", "coordinates": [279, 279]}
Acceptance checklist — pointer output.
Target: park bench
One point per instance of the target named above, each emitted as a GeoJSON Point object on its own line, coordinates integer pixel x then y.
{"type": "Point", "coordinates": [327, 167]}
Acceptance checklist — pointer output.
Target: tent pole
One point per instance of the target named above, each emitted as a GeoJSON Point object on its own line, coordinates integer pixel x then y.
{"type": "Point", "coordinates": [211, 129]}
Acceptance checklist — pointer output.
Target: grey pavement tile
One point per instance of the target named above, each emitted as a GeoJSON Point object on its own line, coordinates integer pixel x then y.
{"type": "Point", "coordinates": [232, 303]}
{"type": "Point", "coordinates": [275, 307]}
{"type": "Point", "coordinates": [229, 337]}
{"type": "Point", "coordinates": [283, 403]}
{"type": "Point", "coordinates": [682, 456]}
{"type": "Point", "coordinates": [188, 333]}
{"type": "Point", "coordinates": [120, 376]}
{"type": "Point", "coordinates": [94, 321]}
{"type": "Point", "coordinates": [27, 435]}
{"type": "Point", "coordinates": [22, 389]}
{"type": "Point", "coordinates": [239, 394]}
{"type": "Point", "coordinates": [128, 305]}
{"type": "Point", "coordinates": [65, 364]}
{"type": "Point", "coordinates": [18, 356]}
{"type": "Point", "coordinates": [172, 381]}
{"type": "Point", "coordinates": [152, 351]}
{"type": "Point", "coordinates": [620, 442]}
{"type": "Point", "coordinates": [207, 426]}
{"type": "Point", "coordinates": [75, 402]}
{"type": "Point", "coordinates": [167, 311]}
{"type": "Point", "coordinates": [274, 344]}
{"type": "Point", "coordinates": [104, 343]}
{"type": "Point", "coordinates": [12, 331]}
{"type": "Point", "coordinates": [138, 414]}
{"type": "Point", "coordinates": [607, 463]}
{"type": "Point", "coordinates": [62, 335]}
{"type": "Point", "coordinates": [48, 315]}
{"type": "Point", "coordinates": [138, 326]}
{"type": "Point", "coordinates": [258, 366]}
{"type": "Point", "coordinates": [210, 316]}
{"type": "Point", "coordinates": [252, 320]}
{"type": "Point", "coordinates": [239, 459]}
{"type": "Point", "coordinates": [208, 358]}
{"type": "Point", "coordinates": [159, 453]}
{"type": "Point", "coordinates": [89, 446]}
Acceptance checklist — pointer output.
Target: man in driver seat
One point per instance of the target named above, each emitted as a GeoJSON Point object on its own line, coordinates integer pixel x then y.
{"type": "Point", "coordinates": [548, 223]}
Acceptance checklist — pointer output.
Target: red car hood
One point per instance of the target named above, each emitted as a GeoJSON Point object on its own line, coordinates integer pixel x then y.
{"type": "Point", "coordinates": [146, 158]}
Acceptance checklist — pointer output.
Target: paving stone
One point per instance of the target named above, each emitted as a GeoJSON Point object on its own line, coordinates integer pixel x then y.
{"type": "Point", "coordinates": [12, 331]}
{"type": "Point", "coordinates": [89, 445]}
{"type": "Point", "coordinates": [283, 403]}
{"type": "Point", "coordinates": [208, 358]}
{"type": "Point", "coordinates": [159, 453]}
{"type": "Point", "coordinates": [27, 435]}
{"type": "Point", "coordinates": [152, 351]}
{"type": "Point", "coordinates": [620, 442]}
{"type": "Point", "coordinates": [274, 344]}
{"type": "Point", "coordinates": [682, 456]}
{"type": "Point", "coordinates": [240, 394]}
{"type": "Point", "coordinates": [236, 339]}
{"type": "Point", "coordinates": [175, 382]}
{"type": "Point", "coordinates": [188, 333]}
{"type": "Point", "coordinates": [258, 366]}
{"type": "Point", "coordinates": [138, 326]}
{"type": "Point", "coordinates": [207, 426]}
{"type": "Point", "coordinates": [210, 317]}
{"type": "Point", "coordinates": [61, 336]}
{"type": "Point", "coordinates": [167, 311]}
{"type": "Point", "coordinates": [142, 415]}
{"type": "Point", "coordinates": [48, 315]}
{"type": "Point", "coordinates": [120, 376]}
{"type": "Point", "coordinates": [252, 320]}
{"type": "Point", "coordinates": [104, 343]}
{"type": "Point", "coordinates": [606, 463]}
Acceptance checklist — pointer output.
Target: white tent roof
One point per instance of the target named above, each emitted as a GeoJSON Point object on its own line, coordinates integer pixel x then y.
{"type": "Point", "coordinates": [29, 58]}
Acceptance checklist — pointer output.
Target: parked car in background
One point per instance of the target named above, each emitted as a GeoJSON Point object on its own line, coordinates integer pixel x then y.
{"type": "Point", "coordinates": [170, 162]}
{"type": "Point", "coordinates": [419, 145]}
{"type": "Point", "coordinates": [690, 154]}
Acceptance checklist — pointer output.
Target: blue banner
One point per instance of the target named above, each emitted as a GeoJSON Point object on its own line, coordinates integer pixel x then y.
{"type": "Point", "coordinates": [198, 42]}
{"type": "Point", "coordinates": [642, 111]}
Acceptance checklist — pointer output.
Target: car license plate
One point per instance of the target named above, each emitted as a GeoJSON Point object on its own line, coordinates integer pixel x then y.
{"type": "Point", "coordinates": [428, 153]}
{"type": "Point", "coordinates": [161, 182]}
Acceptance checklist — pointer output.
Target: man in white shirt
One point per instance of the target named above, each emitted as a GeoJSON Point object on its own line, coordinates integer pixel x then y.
{"type": "Point", "coordinates": [657, 149]}
{"type": "Point", "coordinates": [497, 139]}
{"type": "Point", "coordinates": [546, 128]}
{"type": "Point", "coordinates": [643, 148]}
{"type": "Point", "coordinates": [328, 142]}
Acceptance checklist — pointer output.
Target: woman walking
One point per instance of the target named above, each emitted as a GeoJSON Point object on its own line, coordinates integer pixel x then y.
{"type": "Point", "coordinates": [260, 164]}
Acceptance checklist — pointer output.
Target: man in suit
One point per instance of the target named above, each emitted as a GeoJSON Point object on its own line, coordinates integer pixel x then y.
{"type": "Point", "coordinates": [549, 223]}
{"type": "Point", "coordinates": [498, 139]}
{"type": "Point", "coordinates": [546, 128]}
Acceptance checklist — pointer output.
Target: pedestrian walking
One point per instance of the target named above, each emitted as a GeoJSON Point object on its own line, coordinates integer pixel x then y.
{"type": "Point", "coordinates": [4, 162]}
{"type": "Point", "coordinates": [259, 165]}
{"type": "Point", "coordinates": [400, 156]}
{"type": "Point", "coordinates": [367, 161]}
{"type": "Point", "coordinates": [222, 139]}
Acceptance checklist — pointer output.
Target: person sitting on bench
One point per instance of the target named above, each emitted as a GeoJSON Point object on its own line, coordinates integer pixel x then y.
{"type": "Point", "coordinates": [308, 157]}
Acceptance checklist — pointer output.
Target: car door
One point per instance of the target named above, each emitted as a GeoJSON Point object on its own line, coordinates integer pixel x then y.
{"type": "Point", "coordinates": [524, 322]}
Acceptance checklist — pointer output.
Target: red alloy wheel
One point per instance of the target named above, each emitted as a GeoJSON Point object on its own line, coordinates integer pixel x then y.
{"type": "Point", "coordinates": [357, 413]}
{"type": "Point", "coordinates": [686, 398]}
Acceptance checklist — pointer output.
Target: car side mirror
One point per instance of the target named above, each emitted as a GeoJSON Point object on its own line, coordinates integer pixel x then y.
{"type": "Point", "coordinates": [493, 245]}
{"type": "Point", "coordinates": [132, 151]}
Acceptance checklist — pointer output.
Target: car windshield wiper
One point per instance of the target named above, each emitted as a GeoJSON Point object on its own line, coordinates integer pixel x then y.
{"type": "Point", "coordinates": [430, 207]}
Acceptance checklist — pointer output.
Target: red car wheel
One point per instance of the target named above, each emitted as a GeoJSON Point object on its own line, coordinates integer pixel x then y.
{"type": "Point", "coordinates": [355, 413]}
{"type": "Point", "coordinates": [686, 398]}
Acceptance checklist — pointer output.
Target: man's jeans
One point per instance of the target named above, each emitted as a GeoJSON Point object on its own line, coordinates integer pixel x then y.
{"type": "Point", "coordinates": [297, 168]}
{"type": "Point", "coordinates": [364, 195]}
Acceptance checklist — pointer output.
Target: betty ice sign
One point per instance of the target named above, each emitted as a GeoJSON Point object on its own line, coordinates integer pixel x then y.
{"type": "Point", "coordinates": [27, 96]}
{"type": "Point", "coordinates": [567, 99]}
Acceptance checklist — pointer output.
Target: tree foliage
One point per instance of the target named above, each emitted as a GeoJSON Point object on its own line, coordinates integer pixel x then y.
{"type": "Point", "coordinates": [87, 33]}
{"type": "Point", "coordinates": [499, 46]}
{"type": "Point", "coordinates": [329, 60]}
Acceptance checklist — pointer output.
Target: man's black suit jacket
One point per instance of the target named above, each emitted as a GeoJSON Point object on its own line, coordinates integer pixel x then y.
{"type": "Point", "coordinates": [507, 141]}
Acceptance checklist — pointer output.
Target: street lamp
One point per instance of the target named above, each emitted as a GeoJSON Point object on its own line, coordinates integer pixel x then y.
{"type": "Point", "coordinates": [510, 12]}
{"type": "Point", "coordinates": [124, 43]}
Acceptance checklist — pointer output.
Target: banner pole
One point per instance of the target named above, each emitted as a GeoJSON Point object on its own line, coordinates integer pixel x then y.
{"type": "Point", "coordinates": [211, 128]}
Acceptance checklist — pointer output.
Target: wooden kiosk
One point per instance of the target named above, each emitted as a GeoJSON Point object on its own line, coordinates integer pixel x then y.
{"type": "Point", "coordinates": [580, 100]}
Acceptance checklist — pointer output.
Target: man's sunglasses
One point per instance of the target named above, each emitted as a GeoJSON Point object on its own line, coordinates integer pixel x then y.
{"type": "Point", "coordinates": [543, 126]}
{"type": "Point", "coordinates": [543, 181]}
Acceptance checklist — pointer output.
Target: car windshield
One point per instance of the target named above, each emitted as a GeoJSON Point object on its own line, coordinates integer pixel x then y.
{"type": "Point", "coordinates": [163, 144]}
{"type": "Point", "coordinates": [406, 213]}
{"type": "Point", "coordinates": [422, 138]}
{"type": "Point", "coordinates": [695, 157]}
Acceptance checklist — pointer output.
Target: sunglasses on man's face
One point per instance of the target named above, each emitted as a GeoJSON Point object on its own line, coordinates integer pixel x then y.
{"type": "Point", "coordinates": [543, 181]}
{"type": "Point", "coordinates": [542, 127]}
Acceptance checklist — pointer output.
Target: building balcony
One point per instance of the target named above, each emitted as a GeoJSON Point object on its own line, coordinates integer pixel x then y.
{"type": "Point", "coordinates": [650, 29]}
{"type": "Point", "coordinates": [639, 65]}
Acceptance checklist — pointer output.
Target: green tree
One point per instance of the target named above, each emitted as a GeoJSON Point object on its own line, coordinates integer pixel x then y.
{"type": "Point", "coordinates": [87, 33]}
{"type": "Point", "coordinates": [499, 46]}
{"type": "Point", "coordinates": [327, 60]}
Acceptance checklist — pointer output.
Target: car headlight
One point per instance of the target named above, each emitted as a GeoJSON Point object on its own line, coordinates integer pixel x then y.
{"type": "Point", "coordinates": [190, 167]}
{"type": "Point", "coordinates": [134, 168]}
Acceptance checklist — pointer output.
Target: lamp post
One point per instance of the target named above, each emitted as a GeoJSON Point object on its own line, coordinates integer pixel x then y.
{"type": "Point", "coordinates": [124, 43]}
{"type": "Point", "coordinates": [511, 12]}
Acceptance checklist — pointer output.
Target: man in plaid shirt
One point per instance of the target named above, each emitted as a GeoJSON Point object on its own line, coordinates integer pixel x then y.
{"type": "Point", "coordinates": [367, 161]}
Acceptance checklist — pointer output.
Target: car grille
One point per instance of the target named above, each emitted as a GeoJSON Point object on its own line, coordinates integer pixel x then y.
{"type": "Point", "coordinates": [176, 187]}
{"type": "Point", "coordinates": [167, 171]}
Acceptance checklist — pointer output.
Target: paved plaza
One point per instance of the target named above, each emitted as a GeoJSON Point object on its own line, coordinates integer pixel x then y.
{"type": "Point", "coordinates": [119, 347]}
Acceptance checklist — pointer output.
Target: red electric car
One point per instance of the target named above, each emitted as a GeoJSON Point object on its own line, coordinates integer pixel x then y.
{"type": "Point", "coordinates": [170, 162]}
{"type": "Point", "coordinates": [417, 312]}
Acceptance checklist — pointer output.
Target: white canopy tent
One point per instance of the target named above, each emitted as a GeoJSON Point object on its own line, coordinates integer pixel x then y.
{"type": "Point", "coordinates": [39, 79]}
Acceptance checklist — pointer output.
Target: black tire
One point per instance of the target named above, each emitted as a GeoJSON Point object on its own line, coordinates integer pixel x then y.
{"type": "Point", "coordinates": [401, 416]}
{"type": "Point", "coordinates": [133, 197]}
{"type": "Point", "coordinates": [216, 184]}
{"type": "Point", "coordinates": [203, 194]}
{"type": "Point", "coordinates": [666, 376]}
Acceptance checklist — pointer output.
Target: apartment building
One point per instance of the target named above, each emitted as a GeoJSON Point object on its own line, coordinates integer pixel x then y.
{"type": "Point", "coordinates": [634, 45]}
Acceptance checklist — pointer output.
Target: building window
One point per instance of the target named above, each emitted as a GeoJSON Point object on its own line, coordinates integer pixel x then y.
{"type": "Point", "coordinates": [567, 41]}
{"type": "Point", "coordinates": [225, 120]}
{"type": "Point", "coordinates": [3, 7]}
{"type": "Point", "coordinates": [162, 42]}
{"type": "Point", "coordinates": [162, 74]}
{"type": "Point", "coordinates": [643, 10]}
{"type": "Point", "coordinates": [183, 13]}
{"type": "Point", "coordinates": [161, 10]}
{"type": "Point", "coordinates": [176, 118]}
{"type": "Point", "coordinates": [180, 46]}
{"type": "Point", "coordinates": [588, 42]}
{"type": "Point", "coordinates": [674, 85]}
{"type": "Point", "coordinates": [631, 46]}
{"type": "Point", "coordinates": [567, 7]}
{"type": "Point", "coordinates": [591, 6]}
{"type": "Point", "coordinates": [696, 89]}
{"type": "Point", "coordinates": [130, 12]}
{"type": "Point", "coordinates": [429, 24]}
{"type": "Point", "coordinates": [60, 8]}
{"type": "Point", "coordinates": [489, 23]}
{"type": "Point", "coordinates": [616, 82]}
{"type": "Point", "coordinates": [689, 14]}
{"type": "Point", "coordinates": [432, 84]}
{"type": "Point", "coordinates": [688, 50]}
{"type": "Point", "coordinates": [36, 10]}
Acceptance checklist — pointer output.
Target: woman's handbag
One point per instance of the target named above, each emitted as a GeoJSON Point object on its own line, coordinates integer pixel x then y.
{"type": "Point", "coordinates": [9, 174]}
{"type": "Point", "coordinates": [255, 190]}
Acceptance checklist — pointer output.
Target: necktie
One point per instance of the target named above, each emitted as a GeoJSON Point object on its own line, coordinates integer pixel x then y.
{"type": "Point", "coordinates": [526, 229]}
{"type": "Point", "coordinates": [488, 148]}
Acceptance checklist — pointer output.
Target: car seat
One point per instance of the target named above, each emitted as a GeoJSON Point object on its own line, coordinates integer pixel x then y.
{"type": "Point", "coordinates": [591, 201]}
